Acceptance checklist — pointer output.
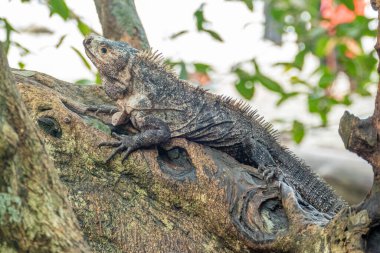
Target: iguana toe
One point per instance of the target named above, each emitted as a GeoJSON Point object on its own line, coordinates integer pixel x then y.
{"type": "Point", "coordinates": [120, 149]}
{"type": "Point", "coordinates": [268, 172]}
{"type": "Point", "coordinates": [125, 143]}
{"type": "Point", "coordinates": [109, 144]}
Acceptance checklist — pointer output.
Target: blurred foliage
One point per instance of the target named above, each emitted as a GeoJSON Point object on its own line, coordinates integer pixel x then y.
{"type": "Point", "coordinates": [202, 23]}
{"type": "Point", "coordinates": [56, 7]}
{"type": "Point", "coordinates": [339, 50]}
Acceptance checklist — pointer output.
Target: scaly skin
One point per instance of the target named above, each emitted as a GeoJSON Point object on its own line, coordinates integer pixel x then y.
{"type": "Point", "coordinates": [161, 106]}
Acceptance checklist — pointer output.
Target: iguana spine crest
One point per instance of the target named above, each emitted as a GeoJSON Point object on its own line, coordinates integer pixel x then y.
{"type": "Point", "coordinates": [313, 183]}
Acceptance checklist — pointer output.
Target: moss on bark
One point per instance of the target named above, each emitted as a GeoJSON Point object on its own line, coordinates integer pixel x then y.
{"type": "Point", "coordinates": [174, 199]}
{"type": "Point", "coordinates": [35, 215]}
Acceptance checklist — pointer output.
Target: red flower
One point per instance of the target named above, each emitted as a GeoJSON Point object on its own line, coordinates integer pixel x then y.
{"type": "Point", "coordinates": [334, 15]}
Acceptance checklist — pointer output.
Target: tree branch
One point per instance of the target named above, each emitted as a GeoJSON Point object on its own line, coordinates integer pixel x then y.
{"type": "Point", "coordinates": [121, 22]}
{"type": "Point", "coordinates": [361, 136]}
{"type": "Point", "coordinates": [181, 197]}
{"type": "Point", "coordinates": [35, 215]}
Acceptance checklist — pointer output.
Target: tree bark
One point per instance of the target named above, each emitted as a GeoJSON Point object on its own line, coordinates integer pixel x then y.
{"type": "Point", "coordinates": [361, 136]}
{"type": "Point", "coordinates": [121, 22]}
{"type": "Point", "coordinates": [181, 197]}
{"type": "Point", "coordinates": [120, 207]}
{"type": "Point", "coordinates": [35, 215]}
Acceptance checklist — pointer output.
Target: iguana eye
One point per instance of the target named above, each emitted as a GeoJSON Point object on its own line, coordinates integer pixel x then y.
{"type": "Point", "coordinates": [104, 50]}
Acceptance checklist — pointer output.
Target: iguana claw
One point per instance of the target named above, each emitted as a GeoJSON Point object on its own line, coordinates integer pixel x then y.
{"type": "Point", "coordinates": [125, 143]}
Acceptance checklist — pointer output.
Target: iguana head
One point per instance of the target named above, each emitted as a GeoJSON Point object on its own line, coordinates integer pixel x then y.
{"type": "Point", "coordinates": [113, 59]}
{"type": "Point", "coordinates": [110, 57]}
{"type": "Point", "coordinates": [124, 68]}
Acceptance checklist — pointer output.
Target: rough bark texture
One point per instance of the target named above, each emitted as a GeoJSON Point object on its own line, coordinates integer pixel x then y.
{"type": "Point", "coordinates": [35, 215]}
{"type": "Point", "coordinates": [120, 22]}
{"type": "Point", "coordinates": [176, 198]}
{"type": "Point", "coordinates": [361, 136]}
{"type": "Point", "coordinates": [181, 197]}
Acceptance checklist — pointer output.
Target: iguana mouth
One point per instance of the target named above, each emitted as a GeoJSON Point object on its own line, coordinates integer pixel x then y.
{"type": "Point", "coordinates": [89, 54]}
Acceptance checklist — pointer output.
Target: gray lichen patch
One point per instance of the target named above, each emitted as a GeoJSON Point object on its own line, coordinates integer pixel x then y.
{"type": "Point", "coordinates": [10, 209]}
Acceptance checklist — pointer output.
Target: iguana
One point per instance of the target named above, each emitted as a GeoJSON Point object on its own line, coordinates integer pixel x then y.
{"type": "Point", "coordinates": [161, 106]}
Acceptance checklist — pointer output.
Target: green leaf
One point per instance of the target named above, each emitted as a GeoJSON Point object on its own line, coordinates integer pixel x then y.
{"type": "Point", "coordinates": [85, 62]}
{"type": "Point", "coordinates": [8, 32]}
{"type": "Point", "coordinates": [183, 73]}
{"type": "Point", "coordinates": [201, 21]}
{"type": "Point", "coordinates": [348, 3]}
{"type": "Point", "coordinates": [59, 7]}
{"type": "Point", "coordinates": [96, 123]}
{"type": "Point", "coordinates": [249, 4]}
{"type": "Point", "coordinates": [316, 32]}
{"type": "Point", "coordinates": [299, 59]}
{"type": "Point", "coordinates": [83, 28]}
{"type": "Point", "coordinates": [213, 34]}
{"type": "Point", "coordinates": [199, 17]}
{"type": "Point", "coordinates": [269, 83]}
{"type": "Point", "coordinates": [84, 81]}
{"type": "Point", "coordinates": [355, 29]}
{"type": "Point", "coordinates": [326, 80]}
{"type": "Point", "coordinates": [313, 103]}
{"type": "Point", "coordinates": [320, 46]}
{"type": "Point", "coordinates": [278, 14]}
{"type": "Point", "coordinates": [286, 65]}
{"type": "Point", "coordinates": [285, 97]}
{"type": "Point", "coordinates": [21, 65]}
{"type": "Point", "coordinates": [202, 67]}
{"type": "Point", "coordinates": [324, 119]}
{"type": "Point", "coordinates": [256, 66]}
{"type": "Point", "coordinates": [297, 80]}
{"type": "Point", "coordinates": [346, 100]}
{"type": "Point", "coordinates": [246, 88]}
{"type": "Point", "coordinates": [242, 74]}
{"type": "Point", "coordinates": [178, 34]}
{"type": "Point", "coordinates": [321, 105]}
{"type": "Point", "coordinates": [298, 131]}
{"type": "Point", "coordinates": [24, 50]}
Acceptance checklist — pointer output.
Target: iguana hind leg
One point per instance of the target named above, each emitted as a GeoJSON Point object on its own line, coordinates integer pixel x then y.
{"type": "Point", "coordinates": [259, 156]}
{"type": "Point", "coordinates": [153, 131]}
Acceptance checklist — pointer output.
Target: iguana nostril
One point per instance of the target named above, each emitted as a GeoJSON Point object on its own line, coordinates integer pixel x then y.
{"type": "Point", "coordinates": [88, 41]}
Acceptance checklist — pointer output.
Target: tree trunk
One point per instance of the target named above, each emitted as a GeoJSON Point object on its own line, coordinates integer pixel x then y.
{"type": "Point", "coordinates": [35, 215]}
{"type": "Point", "coordinates": [120, 207]}
{"type": "Point", "coordinates": [361, 136]}
{"type": "Point", "coordinates": [121, 22]}
{"type": "Point", "coordinates": [182, 197]}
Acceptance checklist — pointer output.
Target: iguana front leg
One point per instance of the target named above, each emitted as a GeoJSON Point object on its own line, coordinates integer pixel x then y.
{"type": "Point", "coordinates": [153, 131]}
{"type": "Point", "coordinates": [107, 109]}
